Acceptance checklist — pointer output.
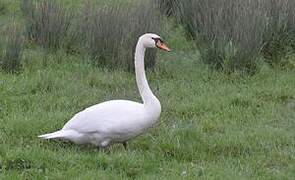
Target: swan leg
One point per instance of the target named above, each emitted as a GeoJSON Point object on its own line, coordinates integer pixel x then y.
{"type": "Point", "coordinates": [125, 145]}
{"type": "Point", "coordinates": [104, 149]}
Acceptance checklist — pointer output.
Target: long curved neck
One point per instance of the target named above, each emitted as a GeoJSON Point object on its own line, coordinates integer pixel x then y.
{"type": "Point", "coordinates": [145, 92]}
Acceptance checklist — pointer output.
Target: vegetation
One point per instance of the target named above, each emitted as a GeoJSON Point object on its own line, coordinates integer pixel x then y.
{"type": "Point", "coordinates": [52, 26]}
{"type": "Point", "coordinates": [168, 7]}
{"type": "Point", "coordinates": [2, 8]}
{"type": "Point", "coordinates": [233, 34]}
{"type": "Point", "coordinates": [280, 35]}
{"type": "Point", "coordinates": [214, 125]}
{"type": "Point", "coordinates": [10, 57]}
{"type": "Point", "coordinates": [116, 47]}
{"type": "Point", "coordinates": [47, 23]}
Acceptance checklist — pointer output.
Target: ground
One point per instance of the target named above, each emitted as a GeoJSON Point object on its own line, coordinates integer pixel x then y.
{"type": "Point", "coordinates": [213, 125]}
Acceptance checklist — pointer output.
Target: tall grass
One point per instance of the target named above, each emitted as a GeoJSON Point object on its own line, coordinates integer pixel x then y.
{"type": "Point", "coordinates": [280, 35]}
{"type": "Point", "coordinates": [232, 34]}
{"type": "Point", "coordinates": [47, 22]}
{"type": "Point", "coordinates": [10, 57]}
{"type": "Point", "coordinates": [229, 32]}
{"type": "Point", "coordinates": [168, 7]}
{"type": "Point", "coordinates": [2, 8]}
{"type": "Point", "coordinates": [107, 33]}
{"type": "Point", "coordinates": [111, 32]}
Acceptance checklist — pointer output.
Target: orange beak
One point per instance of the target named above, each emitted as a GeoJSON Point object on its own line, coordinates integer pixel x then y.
{"type": "Point", "coordinates": [162, 46]}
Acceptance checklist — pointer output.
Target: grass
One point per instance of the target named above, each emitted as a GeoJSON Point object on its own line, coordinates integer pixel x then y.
{"type": "Point", "coordinates": [236, 35]}
{"type": "Point", "coordinates": [78, 30]}
{"type": "Point", "coordinates": [10, 57]}
{"type": "Point", "coordinates": [213, 125]}
{"type": "Point", "coordinates": [131, 20]}
{"type": "Point", "coordinates": [47, 23]}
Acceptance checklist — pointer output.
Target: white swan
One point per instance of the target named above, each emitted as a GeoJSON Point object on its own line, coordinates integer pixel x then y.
{"type": "Point", "coordinates": [117, 121]}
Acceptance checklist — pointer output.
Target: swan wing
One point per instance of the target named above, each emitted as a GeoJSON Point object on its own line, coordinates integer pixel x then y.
{"type": "Point", "coordinates": [110, 117]}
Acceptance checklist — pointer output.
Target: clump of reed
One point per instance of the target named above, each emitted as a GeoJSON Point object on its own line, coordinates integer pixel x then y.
{"type": "Point", "coordinates": [107, 33]}
{"type": "Point", "coordinates": [279, 37]}
{"type": "Point", "coordinates": [2, 8]}
{"type": "Point", "coordinates": [235, 35]}
{"type": "Point", "coordinates": [110, 32]}
{"type": "Point", "coordinates": [11, 49]}
{"type": "Point", "coordinates": [46, 22]}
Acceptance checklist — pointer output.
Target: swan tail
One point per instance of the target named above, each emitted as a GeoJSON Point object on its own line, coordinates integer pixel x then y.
{"type": "Point", "coordinates": [57, 134]}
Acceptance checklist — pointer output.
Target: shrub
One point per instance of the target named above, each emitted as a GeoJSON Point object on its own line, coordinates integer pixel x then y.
{"type": "Point", "coordinates": [111, 32]}
{"type": "Point", "coordinates": [10, 58]}
{"type": "Point", "coordinates": [47, 22]}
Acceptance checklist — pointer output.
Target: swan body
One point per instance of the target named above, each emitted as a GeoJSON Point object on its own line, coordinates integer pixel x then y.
{"type": "Point", "coordinates": [117, 121]}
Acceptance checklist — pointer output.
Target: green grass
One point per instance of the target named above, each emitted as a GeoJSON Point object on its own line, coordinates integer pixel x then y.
{"type": "Point", "coordinates": [213, 126]}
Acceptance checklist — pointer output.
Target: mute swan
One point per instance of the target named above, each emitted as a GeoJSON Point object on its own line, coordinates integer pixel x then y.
{"type": "Point", "coordinates": [117, 121]}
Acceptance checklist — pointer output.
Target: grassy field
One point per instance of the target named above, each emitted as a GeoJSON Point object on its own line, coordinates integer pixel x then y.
{"type": "Point", "coordinates": [213, 125]}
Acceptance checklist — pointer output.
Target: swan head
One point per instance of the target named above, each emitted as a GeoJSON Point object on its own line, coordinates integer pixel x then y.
{"type": "Point", "coordinates": [151, 40]}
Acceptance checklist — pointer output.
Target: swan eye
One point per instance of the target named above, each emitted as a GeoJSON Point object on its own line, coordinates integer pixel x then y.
{"type": "Point", "coordinates": [158, 40]}
{"type": "Point", "coordinates": [160, 44]}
